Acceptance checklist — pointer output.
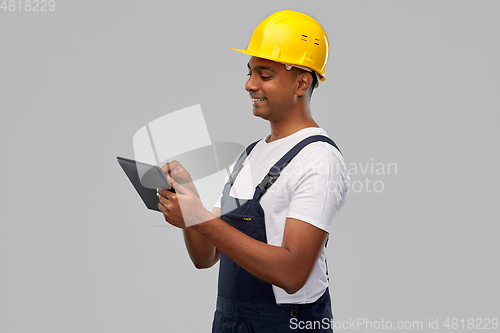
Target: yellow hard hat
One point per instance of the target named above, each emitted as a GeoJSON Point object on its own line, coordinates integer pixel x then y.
{"type": "Point", "coordinates": [291, 38]}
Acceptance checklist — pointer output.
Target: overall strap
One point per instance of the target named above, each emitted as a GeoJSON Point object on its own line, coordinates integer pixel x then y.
{"type": "Point", "coordinates": [276, 169]}
{"type": "Point", "coordinates": [236, 170]}
{"type": "Point", "coordinates": [239, 163]}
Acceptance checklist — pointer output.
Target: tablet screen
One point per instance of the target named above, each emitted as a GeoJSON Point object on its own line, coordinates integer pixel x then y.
{"type": "Point", "coordinates": [145, 178]}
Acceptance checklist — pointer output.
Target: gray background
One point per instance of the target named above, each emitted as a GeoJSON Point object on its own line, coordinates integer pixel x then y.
{"type": "Point", "coordinates": [414, 83]}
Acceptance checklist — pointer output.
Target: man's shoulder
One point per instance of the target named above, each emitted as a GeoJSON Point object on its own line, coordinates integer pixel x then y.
{"type": "Point", "coordinates": [318, 157]}
{"type": "Point", "coordinates": [320, 150]}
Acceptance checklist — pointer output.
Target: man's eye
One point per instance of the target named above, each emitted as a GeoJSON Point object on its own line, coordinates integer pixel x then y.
{"type": "Point", "coordinates": [262, 76]}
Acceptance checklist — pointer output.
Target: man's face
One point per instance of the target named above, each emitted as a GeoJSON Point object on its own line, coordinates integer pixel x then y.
{"type": "Point", "coordinates": [272, 88]}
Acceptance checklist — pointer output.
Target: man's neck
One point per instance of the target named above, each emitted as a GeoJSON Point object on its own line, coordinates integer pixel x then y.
{"type": "Point", "coordinates": [279, 131]}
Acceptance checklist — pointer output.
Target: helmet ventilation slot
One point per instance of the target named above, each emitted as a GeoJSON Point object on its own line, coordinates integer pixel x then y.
{"type": "Point", "coordinates": [305, 39]}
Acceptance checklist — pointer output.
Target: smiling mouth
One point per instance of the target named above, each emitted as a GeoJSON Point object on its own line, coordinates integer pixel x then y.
{"type": "Point", "coordinates": [258, 99]}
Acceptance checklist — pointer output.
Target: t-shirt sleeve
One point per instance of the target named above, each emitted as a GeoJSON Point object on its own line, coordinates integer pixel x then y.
{"type": "Point", "coordinates": [319, 189]}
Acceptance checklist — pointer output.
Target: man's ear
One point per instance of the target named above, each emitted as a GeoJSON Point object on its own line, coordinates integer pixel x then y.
{"type": "Point", "coordinates": [304, 80]}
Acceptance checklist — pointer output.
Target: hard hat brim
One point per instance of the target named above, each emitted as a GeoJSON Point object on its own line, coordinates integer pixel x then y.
{"type": "Point", "coordinates": [255, 54]}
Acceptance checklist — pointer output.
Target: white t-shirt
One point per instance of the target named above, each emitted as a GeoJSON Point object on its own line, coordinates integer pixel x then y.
{"type": "Point", "coordinates": [312, 188]}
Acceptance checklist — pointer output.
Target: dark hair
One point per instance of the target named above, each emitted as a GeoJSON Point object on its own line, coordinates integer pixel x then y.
{"type": "Point", "coordinates": [313, 84]}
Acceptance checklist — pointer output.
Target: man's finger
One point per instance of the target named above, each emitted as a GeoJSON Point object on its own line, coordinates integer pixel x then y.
{"type": "Point", "coordinates": [162, 208]}
{"type": "Point", "coordinates": [176, 186]}
{"type": "Point", "coordinates": [165, 168]}
{"type": "Point", "coordinates": [169, 167]}
{"type": "Point", "coordinates": [171, 182]}
{"type": "Point", "coordinates": [163, 193]}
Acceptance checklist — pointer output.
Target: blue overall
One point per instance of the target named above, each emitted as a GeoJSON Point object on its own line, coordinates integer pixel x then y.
{"type": "Point", "coordinates": [246, 303]}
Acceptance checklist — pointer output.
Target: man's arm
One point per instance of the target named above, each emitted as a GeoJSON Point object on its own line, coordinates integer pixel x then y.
{"type": "Point", "coordinates": [202, 252]}
{"type": "Point", "coordinates": [287, 266]}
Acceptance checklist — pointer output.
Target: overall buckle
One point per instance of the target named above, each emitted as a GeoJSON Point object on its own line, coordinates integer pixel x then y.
{"type": "Point", "coordinates": [267, 182]}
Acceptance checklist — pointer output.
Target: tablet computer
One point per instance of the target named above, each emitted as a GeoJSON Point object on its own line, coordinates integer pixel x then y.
{"type": "Point", "coordinates": [146, 178]}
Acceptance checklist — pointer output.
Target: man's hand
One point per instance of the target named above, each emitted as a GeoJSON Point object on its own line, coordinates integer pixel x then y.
{"type": "Point", "coordinates": [183, 208]}
{"type": "Point", "coordinates": [180, 175]}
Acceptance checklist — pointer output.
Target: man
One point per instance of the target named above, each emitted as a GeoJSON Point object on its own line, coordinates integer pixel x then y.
{"type": "Point", "coordinates": [269, 229]}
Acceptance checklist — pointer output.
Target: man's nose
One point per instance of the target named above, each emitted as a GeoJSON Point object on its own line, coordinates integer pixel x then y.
{"type": "Point", "coordinates": [251, 84]}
